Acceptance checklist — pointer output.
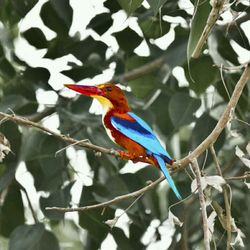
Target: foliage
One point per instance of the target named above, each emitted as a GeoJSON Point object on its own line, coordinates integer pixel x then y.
{"type": "Point", "coordinates": [183, 115]}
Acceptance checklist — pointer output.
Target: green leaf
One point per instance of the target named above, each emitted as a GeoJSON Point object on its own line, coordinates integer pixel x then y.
{"type": "Point", "coordinates": [36, 38]}
{"type": "Point", "coordinates": [33, 237]}
{"type": "Point", "coordinates": [238, 35]}
{"type": "Point", "coordinates": [135, 234]}
{"type": "Point", "coordinates": [230, 81]}
{"type": "Point", "coordinates": [7, 175]}
{"type": "Point", "coordinates": [59, 198]}
{"type": "Point", "coordinates": [6, 69]}
{"type": "Point", "coordinates": [12, 11]}
{"type": "Point", "coordinates": [81, 49]}
{"type": "Point", "coordinates": [121, 239]}
{"type": "Point", "coordinates": [122, 39]}
{"type": "Point", "coordinates": [48, 241]}
{"type": "Point", "coordinates": [156, 5]}
{"type": "Point", "coordinates": [57, 15]}
{"type": "Point", "coordinates": [154, 27]}
{"type": "Point", "coordinates": [130, 5]}
{"type": "Point", "coordinates": [23, 91]}
{"type": "Point", "coordinates": [81, 72]}
{"type": "Point", "coordinates": [202, 74]}
{"type": "Point", "coordinates": [38, 76]}
{"type": "Point", "coordinates": [221, 49]}
{"type": "Point", "coordinates": [101, 23]}
{"type": "Point", "coordinates": [13, 134]}
{"type": "Point", "coordinates": [203, 127]}
{"type": "Point", "coordinates": [26, 237]}
{"type": "Point", "coordinates": [151, 198]}
{"type": "Point", "coordinates": [93, 220]}
{"type": "Point", "coordinates": [160, 111]}
{"type": "Point", "coordinates": [90, 46]}
{"type": "Point", "coordinates": [202, 10]}
{"type": "Point", "coordinates": [177, 50]}
{"type": "Point", "coordinates": [48, 170]}
{"type": "Point", "coordinates": [182, 108]}
{"type": "Point", "coordinates": [12, 210]}
{"type": "Point", "coordinates": [143, 86]}
{"type": "Point", "coordinates": [12, 103]}
{"type": "Point", "coordinates": [112, 5]}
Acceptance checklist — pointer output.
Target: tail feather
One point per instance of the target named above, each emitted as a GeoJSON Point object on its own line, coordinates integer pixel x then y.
{"type": "Point", "coordinates": [164, 169]}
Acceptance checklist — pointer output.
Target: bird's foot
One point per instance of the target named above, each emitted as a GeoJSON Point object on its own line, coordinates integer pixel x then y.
{"type": "Point", "coordinates": [124, 155]}
{"type": "Point", "coordinates": [130, 156]}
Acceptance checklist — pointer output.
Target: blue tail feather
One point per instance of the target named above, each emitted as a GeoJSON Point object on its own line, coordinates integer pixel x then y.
{"type": "Point", "coordinates": [167, 175]}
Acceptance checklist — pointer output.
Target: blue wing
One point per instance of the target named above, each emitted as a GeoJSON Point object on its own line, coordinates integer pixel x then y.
{"type": "Point", "coordinates": [140, 132]}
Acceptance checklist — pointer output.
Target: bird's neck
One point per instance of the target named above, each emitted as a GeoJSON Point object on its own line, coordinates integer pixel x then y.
{"type": "Point", "coordinates": [119, 106]}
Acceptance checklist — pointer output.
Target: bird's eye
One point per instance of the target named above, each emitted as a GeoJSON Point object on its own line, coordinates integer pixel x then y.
{"type": "Point", "coordinates": [108, 89]}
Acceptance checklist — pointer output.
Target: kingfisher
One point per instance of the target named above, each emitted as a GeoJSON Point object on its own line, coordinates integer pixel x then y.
{"type": "Point", "coordinates": [127, 129]}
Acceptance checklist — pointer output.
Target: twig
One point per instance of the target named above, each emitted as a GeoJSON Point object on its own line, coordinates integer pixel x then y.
{"type": "Point", "coordinates": [23, 121]}
{"type": "Point", "coordinates": [196, 169]}
{"type": "Point", "coordinates": [140, 71]}
{"type": "Point", "coordinates": [110, 202]}
{"type": "Point", "coordinates": [237, 177]}
{"type": "Point", "coordinates": [221, 124]}
{"type": "Point", "coordinates": [229, 68]}
{"type": "Point", "coordinates": [226, 200]}
{"type": "Point", "coordinates": [36, 117]}
{"type": "Point", "coordinates": [212, 18]}
{"type": "Point", "coordinates": [112, 222]}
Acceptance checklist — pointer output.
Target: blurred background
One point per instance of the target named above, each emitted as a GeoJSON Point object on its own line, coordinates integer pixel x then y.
{"type": "Point", "coordinates": [45, 44]}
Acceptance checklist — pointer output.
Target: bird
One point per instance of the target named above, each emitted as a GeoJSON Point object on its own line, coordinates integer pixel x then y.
{"type": "Point", "coordinates": [127, 129]}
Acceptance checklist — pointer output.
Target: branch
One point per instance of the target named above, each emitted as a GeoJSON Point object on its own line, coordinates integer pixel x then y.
{"type": "Point", "coordinates": [243, 177]}
{"type": "Point", "coordinates": [113, 201]}
{"type": "Point", "coordinates": [38, 116]}
{"type": "Point", "coordinates": [221, 124]}
{"type": "Point", "coordinates": [197, 172]}
{"type": "Point", "coordinates": [23, 121]}
{"type": "Point", "coordinates": [140, 71]}
{"type": "Point", "coordinates": [226, 200]}
{"type": "Point", "coordinates": [235, 23]}
{"type": "Point", "coordinates": [211, 20]}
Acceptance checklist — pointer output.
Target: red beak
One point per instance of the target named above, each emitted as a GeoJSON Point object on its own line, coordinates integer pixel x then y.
{"type": "Point", "coordinates": [85, 89]}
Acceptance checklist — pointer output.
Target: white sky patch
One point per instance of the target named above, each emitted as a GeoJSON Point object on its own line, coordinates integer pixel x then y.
{"type": "Point", "coordinates": [243, 54]}
{"type": "Point", "coordinates": [34, 18]}
{"type": "Point", "coordinates": [178, 72]}
{"type": "Point", "coordinates": [24, 177]}
{"type": "Point", "coordinates": [52, 122]}
{"type": "Point", "coordinates": [187, 5]}
{"type": "Point", "coordinates": [109, 243]}
{"type": "Point", "coordinates": [164, 41]}
{"type": "Point", "coordinates": [46, 97]}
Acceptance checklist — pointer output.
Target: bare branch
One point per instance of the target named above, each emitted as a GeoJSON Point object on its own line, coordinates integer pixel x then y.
{"type": "Point", "coordinates": [23, 121]}
{"type": "Point", "coordinates": [38, 116]}
{"type": "Point", "coordinates": [110, 202]}
{"type": "Point", "coordinates": [212, 18]}
{"type": "Point", "coordinates": [197, 172]}
{"type": "Point", "coordinates": [226, 200]}
{"type": "Point", "coordinates": [243, 177]}
{"type": "Point", "coordinates": [140, 71]}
